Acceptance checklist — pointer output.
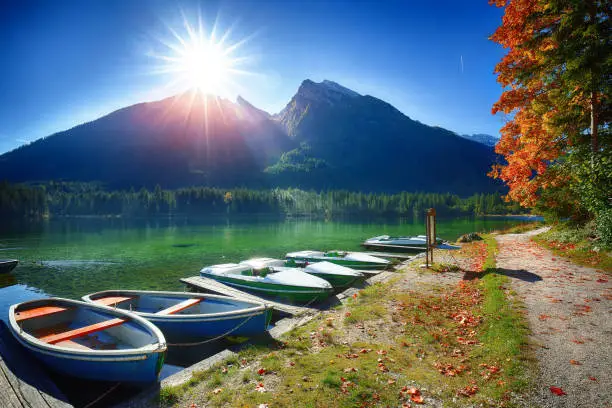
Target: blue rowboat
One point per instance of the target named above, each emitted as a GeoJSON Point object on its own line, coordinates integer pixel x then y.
{"type": "Point", "coordinates": [89, 341]}
{"type": "Point", "coordinates": [181, 315]}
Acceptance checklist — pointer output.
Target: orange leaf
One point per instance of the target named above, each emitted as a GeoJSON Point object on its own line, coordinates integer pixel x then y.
{"type": "Point", "coordinates": [416, 398]}
{"type": "Point", "coordinates": [574, 362]}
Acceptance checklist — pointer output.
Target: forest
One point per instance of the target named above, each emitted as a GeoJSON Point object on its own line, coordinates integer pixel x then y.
{"type": "Point", "coordinates": [57, 199]}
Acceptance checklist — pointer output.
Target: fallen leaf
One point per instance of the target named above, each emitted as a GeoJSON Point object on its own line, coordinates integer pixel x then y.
{"type": "Point", "coordinates": [416, 398]}
{"type": "Point", "coordinates": [592, 378]}
{"type": "Point", "coordinates": [468, 390]}
{"type": "Point", "coordinates": [557, 391]}
{"type": "Point", "coordinates": [574, 362]}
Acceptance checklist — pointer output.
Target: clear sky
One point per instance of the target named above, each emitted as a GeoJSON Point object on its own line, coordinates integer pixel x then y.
{"type": "Point", "coordinates": [68, 62]}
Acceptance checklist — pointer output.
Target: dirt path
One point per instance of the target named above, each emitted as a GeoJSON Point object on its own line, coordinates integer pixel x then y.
{"type": "Point", "coordinates": [569, 310]}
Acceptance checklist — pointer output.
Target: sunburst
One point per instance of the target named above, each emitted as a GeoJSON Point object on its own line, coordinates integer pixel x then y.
{"type": "Point", "coordinates": [199, 59]}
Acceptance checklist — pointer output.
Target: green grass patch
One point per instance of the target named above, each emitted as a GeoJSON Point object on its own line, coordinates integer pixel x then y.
{"type": "Point", "coordinates": [506, 336]}
{"type": "Point", "coordinates": [576, 243]}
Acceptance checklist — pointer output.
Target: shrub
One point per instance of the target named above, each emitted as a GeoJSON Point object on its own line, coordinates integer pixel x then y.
{"type": "Point", "coordinates": [603, 227]}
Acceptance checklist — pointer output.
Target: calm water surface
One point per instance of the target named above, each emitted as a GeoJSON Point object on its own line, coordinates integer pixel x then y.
{"type": "Point", "coordinates": [70, 258]}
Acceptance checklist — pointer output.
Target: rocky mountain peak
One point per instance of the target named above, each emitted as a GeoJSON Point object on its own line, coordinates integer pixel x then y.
{"type": "Point", "coordinates": [327, 91]}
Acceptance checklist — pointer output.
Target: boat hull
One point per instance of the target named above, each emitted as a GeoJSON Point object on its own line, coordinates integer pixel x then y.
{"type": "Point", "coordinates": [135, 368]}
{"type": "Point", "coordinates": [240, 325]}
{"type": "Point", "coordinates": [337, 281]}
{"type": "Point", "coordinates": [292, 294]}
{"type": "Point", "coordinates": [342, 262]}
{"type": "Point", "coordinates": [395, 248]}
{"type": "Point", "coordinates": [8, 265]}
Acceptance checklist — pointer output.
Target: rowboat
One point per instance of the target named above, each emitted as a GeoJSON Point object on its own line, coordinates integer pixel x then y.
{"type": "Point", "coordinates": [7, 265]}
{"type": "Point", "coordinates": [181, 315]}
{"type": "Point", "coordinates": [353, 260]}
{"type": "Point", "coordinates": [293, 286]}
{"type": "Point", "coordinates": [339, 277]}
{"type": "Point", "coordinates": [413, 243]}
{"type": "Point", "coordinates": [89, 341]}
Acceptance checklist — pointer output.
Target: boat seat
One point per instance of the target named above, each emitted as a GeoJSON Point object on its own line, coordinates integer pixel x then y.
{"type": "Point", "coordinates": [113, 300]}
{"type": "Point", "coordinates": [180, 306]}
{"type": "Point", "coordinates": [73, 345]}
{"type": "Point", "coordinates": [83, 331]}
{"type": "Point", "coordinates": [38, 312]}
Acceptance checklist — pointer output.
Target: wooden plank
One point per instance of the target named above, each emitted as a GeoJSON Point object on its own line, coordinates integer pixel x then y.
{"type": "Point", "coordinates": [180, 306]}
{"type": "Point", "coordinates": [38, 312]}
{"type": "Point", "coordinates": [210, 285]}
{"type": "Point", "coordinates": [82, 331]}
{"type": "Point", "coordinates": [8, 396]}
{"type": "Point", "coordinates": [22, 382]}
{"type": "Point", "coordinates": [113, 300]}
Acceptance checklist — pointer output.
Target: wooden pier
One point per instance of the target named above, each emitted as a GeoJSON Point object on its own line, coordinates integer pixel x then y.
{"type": "Point", "coordinates": [202, 284]}
{"type": "Point", "coordinates": [22, 382]}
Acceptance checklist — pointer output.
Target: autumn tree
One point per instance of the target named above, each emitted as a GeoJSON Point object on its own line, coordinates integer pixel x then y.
{"type": "Point", "coordinates": [556, 80]}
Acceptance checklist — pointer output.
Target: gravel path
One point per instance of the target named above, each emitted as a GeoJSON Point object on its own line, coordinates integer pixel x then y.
{"type": "Point", "coordinates": [569, 311]}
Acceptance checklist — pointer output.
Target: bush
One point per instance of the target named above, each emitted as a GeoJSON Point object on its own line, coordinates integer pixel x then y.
{"type": "Point", "coordinates": [603, 226]}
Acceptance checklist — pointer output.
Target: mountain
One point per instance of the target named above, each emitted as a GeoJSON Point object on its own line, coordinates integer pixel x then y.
{"type": "Point", "coordinates": [183, 140]}
{"type": "Point", "coordinates": [327, 137]}
{"type": "Point", "coordinates": [367, 144]}
{"type": "Point", "coordinates": [485, 139]}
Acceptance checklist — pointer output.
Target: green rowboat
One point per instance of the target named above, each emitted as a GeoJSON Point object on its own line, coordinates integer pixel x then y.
{"type": "Point", "coordinates": [353, 260]}
{"type": "Point", "coordinates": [293, 286]}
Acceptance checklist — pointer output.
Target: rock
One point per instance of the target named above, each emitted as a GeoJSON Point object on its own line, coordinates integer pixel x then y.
{"type": "Point", "coordinates": [472, 236]}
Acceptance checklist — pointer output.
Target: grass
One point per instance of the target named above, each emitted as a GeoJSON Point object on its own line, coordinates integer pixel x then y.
{"type": "Point", "coordinates": [507, 332]}
{"type": "Point", "coordinates": [461, 345]}
{"type": "Point", "coordinates": [575, 244]}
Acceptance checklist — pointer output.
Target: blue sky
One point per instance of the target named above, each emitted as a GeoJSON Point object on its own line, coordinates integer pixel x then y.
{"type": "Point", "coordinates": [68, 62]}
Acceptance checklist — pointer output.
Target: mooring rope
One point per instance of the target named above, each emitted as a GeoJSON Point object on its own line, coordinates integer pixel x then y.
{"type": "Point", "coordinates": [111, 389]}
{"type": "Point", "coordinates": [227, 333]}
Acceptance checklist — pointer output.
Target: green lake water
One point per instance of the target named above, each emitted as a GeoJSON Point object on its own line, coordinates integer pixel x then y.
{"type": "Point", "coordinates": [70, 258]}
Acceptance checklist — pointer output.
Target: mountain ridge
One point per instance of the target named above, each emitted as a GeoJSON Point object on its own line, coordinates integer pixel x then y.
{"type": "Point", "coordinates": [327, 136]}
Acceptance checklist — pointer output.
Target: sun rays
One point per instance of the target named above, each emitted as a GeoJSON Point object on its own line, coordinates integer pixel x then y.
{"type": "Point", "coordinates": [201, 59]}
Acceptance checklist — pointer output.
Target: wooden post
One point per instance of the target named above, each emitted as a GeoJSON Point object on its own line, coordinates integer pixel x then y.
{"type": "Point", "coordinates": [430, 224]}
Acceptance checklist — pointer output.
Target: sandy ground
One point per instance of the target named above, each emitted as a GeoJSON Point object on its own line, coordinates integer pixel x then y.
{"type": "Point", "coordinates": [569, 312]}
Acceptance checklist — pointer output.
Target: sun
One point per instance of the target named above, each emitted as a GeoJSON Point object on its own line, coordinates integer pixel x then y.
{"type": "Point", "coordinates": [203, 66]}
{"type": "Point", "coordinates": [200, 60]}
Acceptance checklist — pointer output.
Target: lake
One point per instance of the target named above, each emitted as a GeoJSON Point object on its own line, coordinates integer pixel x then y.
{"type": "Point", "coordinates": [73, 257]}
